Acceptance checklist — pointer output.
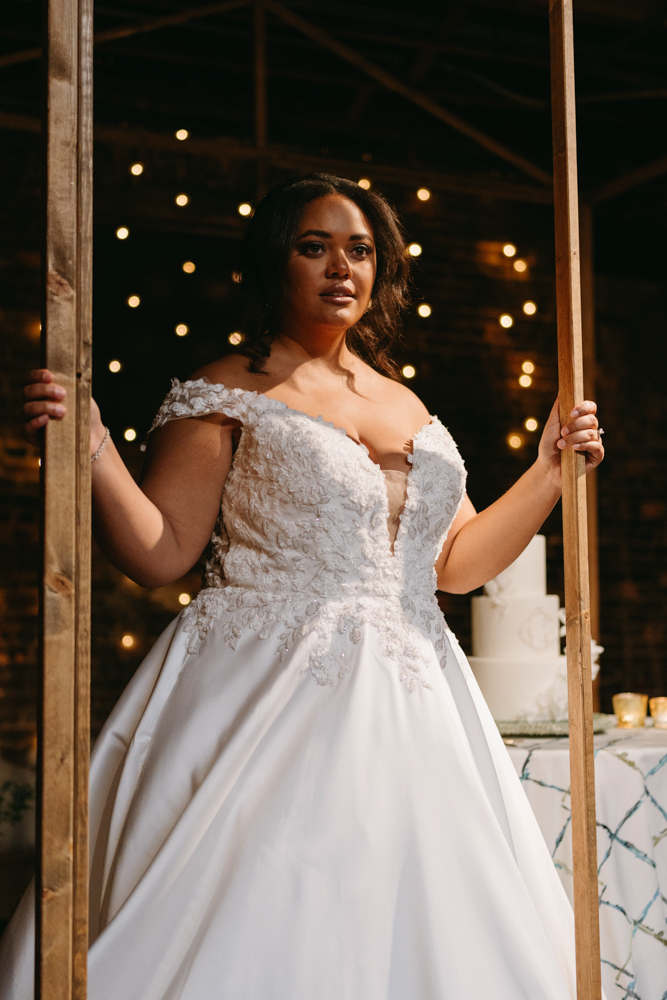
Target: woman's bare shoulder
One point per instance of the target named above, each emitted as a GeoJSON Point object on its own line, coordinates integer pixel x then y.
{"type": "Point", "coordinates": [399, 397]}
{"type": "Point", "coordinates": [232, 372]}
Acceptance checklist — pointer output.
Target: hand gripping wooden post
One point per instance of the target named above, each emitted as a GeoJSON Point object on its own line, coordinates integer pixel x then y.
{"type": "Point", "coordinates": [62, 863]}
{"type": "Point", "coordinates": [570, 375]}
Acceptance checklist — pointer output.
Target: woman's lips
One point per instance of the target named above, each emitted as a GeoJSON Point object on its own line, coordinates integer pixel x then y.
{"type": "Point", "coordinates": [338, 296]}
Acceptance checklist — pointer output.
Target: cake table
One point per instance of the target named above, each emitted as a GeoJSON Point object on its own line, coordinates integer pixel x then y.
{"type": "Point", "coordinates": [631, 802]}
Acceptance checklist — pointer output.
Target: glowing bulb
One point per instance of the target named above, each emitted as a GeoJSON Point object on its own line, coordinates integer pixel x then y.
{"type": "Point", "coordinates": [136, 169]}
{"type": "Point", "coordinates": [424, 309]}
{"type": "Point", "coordinates": [127, 641]}
{"type": "Point", "coordinates": [528, 367]}
{"type": "Point", "coordinates": [181, 200]}
{"type": "Point", "coordinates": [509, 249]}
{"type": "Point", "coordinates": [237, 277]}
{"type": "Point", "coordinates": [514, 440]}
{"type": "Point", "coordinates": [130, 434]}
{"type": "Point", "coordinates": [244, 209]}
{"type": "Point", "coordinates": [423, 194]}
{"type": "Point", "coordinates": [115, 366]}
{"type": "Point", "coordinates": [529, 308]}
{"type": "Point", "coordinates": [235, 338]}
{"type": "Point", "coordinates": [184, 598]}
{"type": "Point", "coordinates": [408, 371]}
{"type": "Point", "coordinates": [414, 249]}
{"type": "Point", "coordinates": [133, 301]}
{"type": "Point", "coordinates": [520, 266]}
{"type": "Point", "coordinates": [530, 423]}
{"type": "Point", "coordinates": [525, 381]}
{"type": "Point", "coordinates": [506, 321]}
{"type": "Point", "coordinates": [181, 330]}
{"type": "Point", "coordinates": [122, 232]}
{"type": "Point", "coordinates": [364, 183]}
{"type": "Point", "coordinates": [182, 133]}
{"type": "Point", "coordinates": [189, 267]}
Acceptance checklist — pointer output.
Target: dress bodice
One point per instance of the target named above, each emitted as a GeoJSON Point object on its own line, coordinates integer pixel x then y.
{"type": "Point", "coordinates": [304, 512]}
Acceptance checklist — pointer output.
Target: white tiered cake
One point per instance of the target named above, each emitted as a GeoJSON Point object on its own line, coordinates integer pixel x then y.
{"type": "Point", "coordinates": [516, 642]}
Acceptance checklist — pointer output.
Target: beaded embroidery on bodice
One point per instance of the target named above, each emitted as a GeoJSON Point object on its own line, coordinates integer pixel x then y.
{"type": "Point", "coordinates": [302, 538]}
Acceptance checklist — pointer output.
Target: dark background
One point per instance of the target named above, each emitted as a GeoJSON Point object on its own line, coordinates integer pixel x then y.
{"type": "Point", "coordinates": [487, 62]}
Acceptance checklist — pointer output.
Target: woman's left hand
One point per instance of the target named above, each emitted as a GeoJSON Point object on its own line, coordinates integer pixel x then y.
{"type": "Point", "coordinates": [581, 432]}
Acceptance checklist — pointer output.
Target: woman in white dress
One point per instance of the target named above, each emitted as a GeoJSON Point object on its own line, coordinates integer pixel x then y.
{"type": "Point", "coordinates": [301, 795]}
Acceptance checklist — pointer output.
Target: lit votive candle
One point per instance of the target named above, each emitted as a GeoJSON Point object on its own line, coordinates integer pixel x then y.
{"type": "Point", "coordinates": [630, 709]}
{"type": "Point", "coordinates": [658, 708]}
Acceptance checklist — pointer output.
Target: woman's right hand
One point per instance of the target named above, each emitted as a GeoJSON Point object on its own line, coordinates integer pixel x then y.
{"type": "Point", "coordinates": [44, 401]}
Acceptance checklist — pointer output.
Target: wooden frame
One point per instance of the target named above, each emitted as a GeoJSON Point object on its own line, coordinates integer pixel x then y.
{"type": "Point", "coordinates": [575, 542]}
{"type": "Point", "coordinates": [64, 727]}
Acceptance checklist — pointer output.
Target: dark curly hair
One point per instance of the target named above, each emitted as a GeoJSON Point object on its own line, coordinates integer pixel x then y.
{"type": "Point", "coordinates": [266, 249]}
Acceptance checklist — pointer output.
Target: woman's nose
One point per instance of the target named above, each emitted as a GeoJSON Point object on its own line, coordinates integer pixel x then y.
{"type": "Point", "coordinates": [339, 266]}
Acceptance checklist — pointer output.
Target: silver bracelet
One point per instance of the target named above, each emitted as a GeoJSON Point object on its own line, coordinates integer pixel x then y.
{"type": "Point", "coordinates": [107, 435]}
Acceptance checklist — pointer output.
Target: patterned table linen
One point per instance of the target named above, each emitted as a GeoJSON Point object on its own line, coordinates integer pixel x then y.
{"type": "Point", "coordinates": [631, 794]}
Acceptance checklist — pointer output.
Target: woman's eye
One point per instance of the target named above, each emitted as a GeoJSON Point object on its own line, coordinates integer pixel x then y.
{"type": "Point", "coordinates": [362, 250]}
{"type": "Point", "coordinates": [312, 248]}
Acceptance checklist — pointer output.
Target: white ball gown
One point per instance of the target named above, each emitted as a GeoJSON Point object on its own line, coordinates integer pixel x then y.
{"type": "Point", "coordinates": [301, 795]}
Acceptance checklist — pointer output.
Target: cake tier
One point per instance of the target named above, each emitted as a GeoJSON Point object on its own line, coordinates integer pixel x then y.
{"type": "Point", "coordinates": [525, 690]}
{"type": "Point", "coordinates": [526, 575]}
{"type": "Point", "coordinates": [522, 628]}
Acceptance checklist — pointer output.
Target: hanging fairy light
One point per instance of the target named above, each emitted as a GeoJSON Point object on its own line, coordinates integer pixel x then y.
{"type": "Point", "coordinates": [529, 308]}
{"type": "Point", "coordinates": [115, 366]}
{"type": "Point", "coordinates": [136, 169]}
{"type": "Point", "coordinates": [130, 434]}
{"type": "Point", "coordinates": [181, 200]}
{"type": "Point", "coordinates": [415, 249]}
{"type": "Point", "coordinates": [528, 367]}
{"type": "Point", "coordinates": [509, 249]}
{"type": "Point", "coordinates": [182, 133]}
{"type": "Point", "coordinates": [133, 301]}
{"type": "Point", "coordinates": [236, 338]}
{"type": "Point", "coordinates": [122, 233]}
{"type": "Point", "coordinates": [531, 424]}
{"type": "Point", "coordinates": [364, 183]}
{"type": "Point", "coordinates": [424, 310]}
{"type": "Point", "coordinates": [408, 371]}
{"type": "Point", "coordinates": [127, 641]}
{"type": "Point", "coordinates": [520, 265]}
{"type": "Point", "coordinates": [506, 321]}
{"type": "Point", "coordinates": [244, 209]}
{"type": "Point", "coordinates": [525, 381]}
{"type": "Point", "coordinates": [181, 330]}
{"type": "Point", "coordinates": [189, 267]}
{"type": "Point", "coordinates": [514, 441]}
{"type": "Point", "coordinates": [184, 599]}
{"type": "Point", "coordinates": [423, 194]}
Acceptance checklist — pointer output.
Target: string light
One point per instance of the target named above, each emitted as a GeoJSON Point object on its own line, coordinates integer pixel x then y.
{"type": "Point", "coordinates": [181, 200]}
{"type": "Point", "coordinates": [364, 183]}
{"type": "Point", "coordinates": [506, 321]}
{"type": "Point", "coordinates": [184, 598]}
{"type": "Point", "coordinates": [244, 209]}
{"type": "Point", "coordinates": [509, 249]}
{"type": "Point", "coordinates": [127, 641]}
{"type": "Point", "coordinates": [408, 371]}
{"type": "Point", "coordinates": [133, 301]}
{"type": "Point", "coordinates": [528, 367]}
{"type": "Point", "coordinates": [122, 232]}
{"type": "Point", "coordinates": [531, 424]}
{"type": "Point", "coordinates": [236, 338]}
{"type": "Point", "coordinates": [514, 441]}
{"type": "Point", "coordinates": [130, 434]}
{"type": "Point", "coordinates": [181, 330]}
{"type": "Point", "coordinates": [424, 310]}
{"type": "Point", "coordinates": [182, 133]}
{"type": "Point", "coordinates": [115, 366]}
{"type": "Point", "coordinates": [189, 267]}
{"type": "Point", "coordinates": [520, 265]}
{"type": "Point", "coordinates": [525, 381]}
{"type": "Point", "coordinates": [529, 308]}
{"type": "Point", "coordinates": [136, 169]}
{"type": "Point", "coordinates": [414, 249]}
{"type": "Point", "coordinates": [423, 194]}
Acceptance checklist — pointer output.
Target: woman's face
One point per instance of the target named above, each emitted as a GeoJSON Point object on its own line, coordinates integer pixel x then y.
{"type": "Point", "coordinates": [331, 269]}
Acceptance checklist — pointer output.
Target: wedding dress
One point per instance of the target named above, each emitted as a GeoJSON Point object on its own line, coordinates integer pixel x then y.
{"type": "Point", "coordinates": [302, 795]}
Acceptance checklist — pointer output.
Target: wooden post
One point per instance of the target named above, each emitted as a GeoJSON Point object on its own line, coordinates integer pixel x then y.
{"type": "Point", "coordinates": [62, 864]}
{"type": "Point", "coordinates": [260, 95]}
{"type": "Point", "coordinates": [570, 372]}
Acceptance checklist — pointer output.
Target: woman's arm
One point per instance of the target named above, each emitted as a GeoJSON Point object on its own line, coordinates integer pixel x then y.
{"type": "Point", "coordinates": [479, 546]}
{"type": "Point", "coordinates": [154, 532]}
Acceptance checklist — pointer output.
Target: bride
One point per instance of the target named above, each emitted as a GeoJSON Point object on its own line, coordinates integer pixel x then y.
{"type": "Point", "coordinates": [302, 795]}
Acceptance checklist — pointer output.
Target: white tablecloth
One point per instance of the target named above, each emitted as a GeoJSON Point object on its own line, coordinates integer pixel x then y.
{"type": "Point", "coordinates": [631, 802]}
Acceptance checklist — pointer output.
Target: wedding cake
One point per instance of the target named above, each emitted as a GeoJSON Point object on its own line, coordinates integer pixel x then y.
{"type": "Point", "coordinates": [516, 629]}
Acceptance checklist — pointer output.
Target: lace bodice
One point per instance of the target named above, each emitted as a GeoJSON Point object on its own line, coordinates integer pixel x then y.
{"type": "Point", "coordinates": [303, 539]}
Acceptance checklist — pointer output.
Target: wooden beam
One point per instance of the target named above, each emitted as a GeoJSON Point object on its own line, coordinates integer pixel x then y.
{"type": "Point", "coordinates": [61, 912]}
{"type": "Point", "coordinates": [291, 159]}
{"type": "Point", "coordinates": [112, 34]}
{"type": "Point", "coordinates": [409, 93]}
{"type": "Point", "coordinates": [571, 379]}
{"type": "Point", "coordinates": [619, 185]}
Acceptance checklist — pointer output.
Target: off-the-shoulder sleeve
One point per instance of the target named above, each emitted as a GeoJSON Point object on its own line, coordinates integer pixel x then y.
{"type": "Point", "coordinates": [195, 399]}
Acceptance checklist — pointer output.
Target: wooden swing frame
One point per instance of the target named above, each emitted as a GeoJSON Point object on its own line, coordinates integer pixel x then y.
{"type": "Point", "coordinates": [62, 876]}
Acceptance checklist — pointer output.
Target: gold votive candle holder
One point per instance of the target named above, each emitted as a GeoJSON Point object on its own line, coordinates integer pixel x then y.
{"type": "Point", "coordinates": [630, 709]}
{"type": "Point", "coordinates": [658, 708]}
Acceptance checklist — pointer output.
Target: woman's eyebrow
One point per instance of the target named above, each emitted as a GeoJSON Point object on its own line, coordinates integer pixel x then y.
{"type": "Point", "coordinates": [327, 236]}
